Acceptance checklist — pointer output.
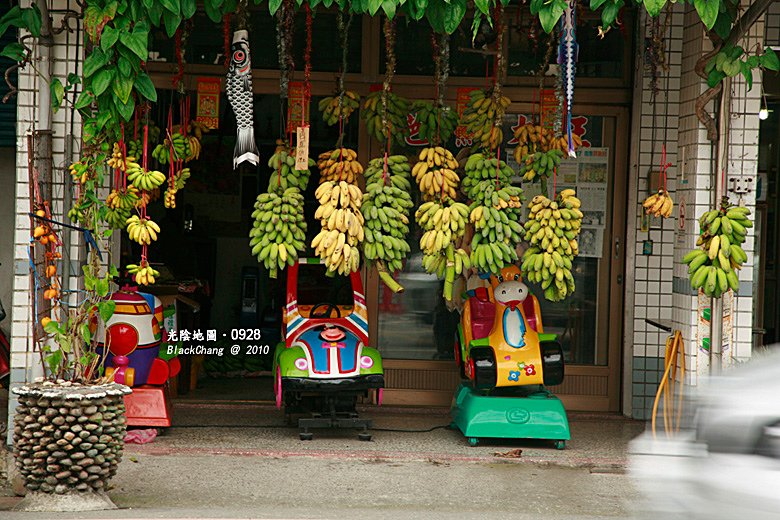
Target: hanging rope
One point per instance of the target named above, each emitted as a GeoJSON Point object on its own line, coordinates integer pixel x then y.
{"type": "Point", "coordinates": [390, 61]}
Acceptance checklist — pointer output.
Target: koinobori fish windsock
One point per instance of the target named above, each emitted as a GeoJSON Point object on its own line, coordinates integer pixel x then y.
{"type": "Point", "coordinates": [239, 93]}
{"type": "Point", "coordinates": [567, 59]}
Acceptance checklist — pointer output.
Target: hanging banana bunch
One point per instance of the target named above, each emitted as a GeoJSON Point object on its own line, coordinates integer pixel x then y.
{"type": "Point", "coordinates": [340, 164]}
{"type": "Point", "coordinates": [336, 107]}
{"type": "Point", "coordinates": [495, 212]}
{"type": "Point", "coordinates": [480, 116]}
{"type": "Point", "coordinates": [143, 273]}
{"type": "Point", "coordinates": [713, 266]}
{"type": "Point", "coordinates": [540, 165]}
{"type": "Point", "coordinates": [278, 233]}
{"type": "Point", "coordinates": [531, 139]}
{"type": "Point", "coordinates": [444, 224]}
{"type": "Point", "coordinates": [120, 204]}
{"type": "Point", "coordinates": [659, 204]}
{"type": "Point", "coordinates": [342, 226]}
{"type": "Point", "coordinates": [284, 175]}
{"type": "Point", "coordinates": [552, 229]}
{"type": "Point", "coordinates": [437, 123]}
{"type": "Point", "coordinates": [397, 110]}
{"type": "Point", "coordinates": [385, 209]}
{"type": "Point", "coordinates": [142, 230]}
{"type": "Point", "coordinates": [180, 179]}
{"type": "Point", "coordinates": [435, 173]}
{"type": "Point", "coordinates": [185, 148]}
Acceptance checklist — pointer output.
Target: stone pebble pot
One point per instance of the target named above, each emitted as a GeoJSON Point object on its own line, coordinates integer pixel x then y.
{"type": "Point", "coordinates": [68, 442]}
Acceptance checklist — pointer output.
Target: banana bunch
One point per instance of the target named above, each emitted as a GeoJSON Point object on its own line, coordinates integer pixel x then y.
{"type": "Point", "coordinates": [284, 174]}
{"type": "Point", "coordinates": [178, 183]}
{"type": "Point", "coordinates": [437, 123]}
{"type": "Point", "coordinates": [197, 129]}
{"type": "Point", "coordinates": [531, 139]}
{"type": "Point", "coordinates": [659, 204]}
{"type": "Point", "coordinates": [397, 109]}
{"type": "Point", "coordinates": [713, 266]}
{"type": "Point", "coordinates": [278, 233]}
{"type": "Point", "coordinates": [398, 169]}
{"type": "Point", "coordinates": [540, 164]}
{"type": "Point", "coordinates": [116, 218]}
{"type": "Point", "coordinates": [145, 180]}
{"type": "Point", "coordinates": [142, 230]}
{"type": "Point", "coordinates": [552, 229]}
{"type": "Point", "coordinates": [484, 173]}
{"type": "Point", "coordinates": [339, 165]}
{"type": "Point", "coordinates": [444, 224]}
{"type": "Point", "coordinates": [143, 273]}
{"type": "Point", "coordinates": [123, 199]}
{"type": "Point", "coordinates": [135, 147]}
{"type": "Point", "coordinates": [336, 107]}
{"type": "Point", "coordinates": [561, 143]}
{"type": "Point", "coordinates": [385, 210]}
{"type": "Point", "coordinates": [184, 148]}
{"type": "Point", "coordinates": [483, 115]}
{"type": "Point", "coordinates": [342, 226]}
{"type": "Point", "coordinates": [435, 173]}
{"type": "Point", "coordinates": [80, 171]}
{"type": "Point", "coordinates": [116, 161]}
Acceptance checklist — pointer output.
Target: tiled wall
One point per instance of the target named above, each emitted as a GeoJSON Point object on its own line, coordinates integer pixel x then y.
{"type": "Point", "coordinates": [66, 126]}
{"type": "Point", "coordinates": [649, 277]}
{"type": "Point", "coordinates": [657, 284]}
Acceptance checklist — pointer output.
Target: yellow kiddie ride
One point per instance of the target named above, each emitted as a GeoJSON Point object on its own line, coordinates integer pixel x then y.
{"type": "Point", "coordinates": [507, 361]}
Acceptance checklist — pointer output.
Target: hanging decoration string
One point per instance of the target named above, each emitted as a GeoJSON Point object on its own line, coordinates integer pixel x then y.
{"type": "Point", "coordinates": [343, 29]}
{"type": "Point", "coordinates": [499, 70]}
{"type": "Point", "coordinates": [390, 61]}
{"type": "Point", "coordinates": [307, 64]}
{"type": "Point", "coordinates": [226, 36]}
{"type": "Point", "coordinates": [441, 61]}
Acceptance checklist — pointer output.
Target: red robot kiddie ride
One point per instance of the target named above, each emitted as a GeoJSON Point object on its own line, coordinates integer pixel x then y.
{"type": "Point", "coordinates": [132, 338]}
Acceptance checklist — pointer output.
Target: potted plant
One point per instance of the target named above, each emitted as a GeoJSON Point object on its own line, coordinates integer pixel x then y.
{"type": "Point", "coordinates": [69, 425]}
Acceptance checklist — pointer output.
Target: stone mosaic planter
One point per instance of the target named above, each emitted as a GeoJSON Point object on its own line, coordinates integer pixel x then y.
{"type": "Point", "coordinates": [68, 442]}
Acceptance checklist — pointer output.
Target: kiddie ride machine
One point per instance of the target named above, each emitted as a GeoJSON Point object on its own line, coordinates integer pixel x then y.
{"type": "Point", "coordinates": [133, 336]}
{"type": "Point", "coordinates": [507, 360]}
{"type": "Point", "coordinates": [323, 363]}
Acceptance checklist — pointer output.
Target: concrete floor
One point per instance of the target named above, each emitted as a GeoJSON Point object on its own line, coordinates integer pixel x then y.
{"type": "Point", "coordinates": [239, 460]}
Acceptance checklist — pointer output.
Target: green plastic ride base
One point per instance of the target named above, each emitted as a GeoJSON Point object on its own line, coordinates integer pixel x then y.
{"type": "Point", "coordinates": [527, 413]}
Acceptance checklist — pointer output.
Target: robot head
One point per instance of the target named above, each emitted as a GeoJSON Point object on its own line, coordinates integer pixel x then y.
{"type": "Point", "coordinates": [508, 288]}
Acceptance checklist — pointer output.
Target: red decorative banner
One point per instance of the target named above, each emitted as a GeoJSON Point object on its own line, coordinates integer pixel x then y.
{"type": "Point", "coordinates": [548, 107]}
{"type": "Point", "coordinates": [208, 101]}
{"type": "Point", "coordinates": [297, 106]}
{"type": "Point", "coordinates": [462, 137]}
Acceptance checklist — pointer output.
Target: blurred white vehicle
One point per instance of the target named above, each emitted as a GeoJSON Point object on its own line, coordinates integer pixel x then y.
{"type": "Point", "coordinates": [727, 464]}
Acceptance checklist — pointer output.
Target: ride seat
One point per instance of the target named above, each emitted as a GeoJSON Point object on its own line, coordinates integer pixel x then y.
{"type": "Point", "coordinates": [483, 312]}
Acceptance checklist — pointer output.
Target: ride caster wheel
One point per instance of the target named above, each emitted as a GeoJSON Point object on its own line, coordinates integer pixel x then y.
{"type": "Point", "coordinates": [364, 436]}
{"type": "Point", "coordinates": [306, 436]}
{"type": "Point", "coordinates": [560, 445]}
{"type": "Point", "coordinates": [473, 441]}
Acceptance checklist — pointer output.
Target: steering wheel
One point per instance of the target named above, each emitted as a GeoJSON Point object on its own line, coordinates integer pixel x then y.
{"type": "Point", "coordinates": [328, 308]}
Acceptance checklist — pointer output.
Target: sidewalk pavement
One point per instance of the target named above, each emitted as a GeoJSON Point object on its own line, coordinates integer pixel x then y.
{"type": "Point", "coordinates": [252, 429]}
{"type": "Point", "coordinates": [256, 434]}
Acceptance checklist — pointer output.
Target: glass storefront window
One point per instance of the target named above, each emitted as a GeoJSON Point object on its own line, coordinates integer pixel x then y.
{"type": "Point", "coordinates": [206, 43]}
{"type": "Point", "coordinates": [598, 57]}
{"type": "Point", "coordinates": [414, 53]}
{"type": "Point", "coordinates": [417, 323]}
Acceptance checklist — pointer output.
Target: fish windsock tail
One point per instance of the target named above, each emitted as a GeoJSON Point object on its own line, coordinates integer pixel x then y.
{"type": "Point", "coordinates": [246, 149]}
{"type": "Point", "coordinates": [571, 151]}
